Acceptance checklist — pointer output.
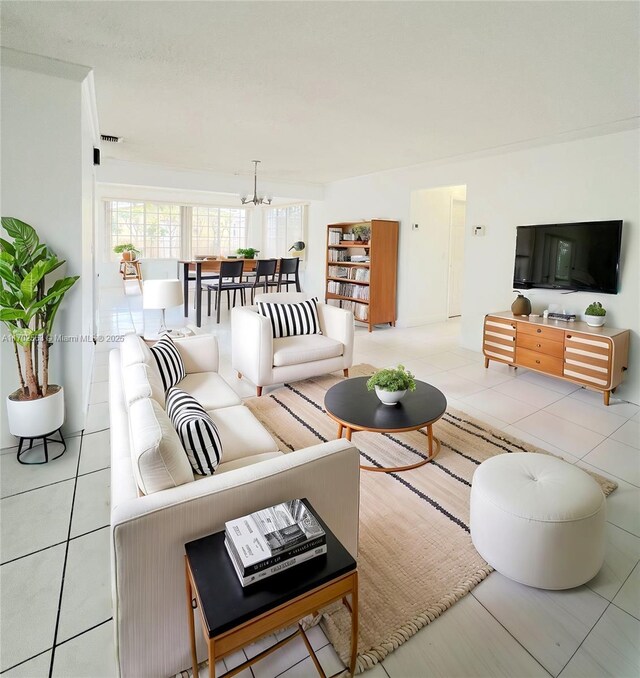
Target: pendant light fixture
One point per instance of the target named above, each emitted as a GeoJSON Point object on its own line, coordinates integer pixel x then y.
{"type": "Point", "coordinates": [255, 200]}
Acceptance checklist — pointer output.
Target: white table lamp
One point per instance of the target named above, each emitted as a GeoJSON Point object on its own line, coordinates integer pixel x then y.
{"type": "Point", "coordinates": [162, 294]}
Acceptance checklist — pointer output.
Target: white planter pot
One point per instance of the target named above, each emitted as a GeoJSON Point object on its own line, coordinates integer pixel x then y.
{"type": "Point", "coordinates": [389, 397]}
{"type": "Point", "coordinates": [595, 320]}
{"type": "Point", "coordinates": [35, 418]}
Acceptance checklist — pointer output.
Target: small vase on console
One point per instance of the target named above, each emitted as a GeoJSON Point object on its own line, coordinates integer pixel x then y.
{"type": "Point", "coordinates": [521, 306]}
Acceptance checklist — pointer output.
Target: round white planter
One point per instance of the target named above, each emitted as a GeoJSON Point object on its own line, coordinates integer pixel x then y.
{"type": "Point", "coordinates": [594, 320]}
{"type": "Point", "coordinates": [36, 418]}
{"type": "Point", "coordinates": [389, 397]}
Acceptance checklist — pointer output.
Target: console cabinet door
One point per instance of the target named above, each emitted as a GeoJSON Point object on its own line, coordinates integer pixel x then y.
{"type": "Point", "coordinates": [499, 339]}
{"type": "Point", "coordinates": [587, 359]}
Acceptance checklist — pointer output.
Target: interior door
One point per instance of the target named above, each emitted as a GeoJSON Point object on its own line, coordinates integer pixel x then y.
{"type": "Point", "coordinates": [456, 256]}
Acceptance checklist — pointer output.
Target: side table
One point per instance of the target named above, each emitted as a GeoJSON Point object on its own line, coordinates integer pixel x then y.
{"type": "Point", "coordinates": [233, 617]}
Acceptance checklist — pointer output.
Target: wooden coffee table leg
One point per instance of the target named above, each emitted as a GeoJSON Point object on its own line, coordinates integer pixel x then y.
{"type": "Point", "coordinates": [430, 437]}
{"type": "Point", "coordinates": [340, 429]}
{"type": "Point", "coordinates": [349, 432]}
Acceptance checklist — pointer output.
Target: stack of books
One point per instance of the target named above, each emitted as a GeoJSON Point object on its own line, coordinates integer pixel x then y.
{"type": "Point", "coordinates": [274, 539]}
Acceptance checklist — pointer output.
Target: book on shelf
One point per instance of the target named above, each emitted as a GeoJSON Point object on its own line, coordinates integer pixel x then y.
{"type": "Point", "coordinates": [273, 539]}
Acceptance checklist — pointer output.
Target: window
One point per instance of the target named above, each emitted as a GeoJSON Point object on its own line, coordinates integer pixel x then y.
{"type": "Point", "coordinates": [218, 230]}
{"type": "Point", "coordinates": [154, 228]}
{"type": "Point", "coordinates": [283, 227]}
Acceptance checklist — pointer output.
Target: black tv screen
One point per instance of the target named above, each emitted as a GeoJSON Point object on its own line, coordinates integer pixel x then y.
{"type": "Point", "coordinates": [578, 256]}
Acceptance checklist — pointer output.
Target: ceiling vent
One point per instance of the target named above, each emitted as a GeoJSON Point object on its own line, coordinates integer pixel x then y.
{"type": "Point", "coordinates": [109, 138]}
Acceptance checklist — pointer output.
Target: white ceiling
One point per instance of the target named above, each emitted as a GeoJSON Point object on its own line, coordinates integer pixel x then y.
{"type": "Point", "coordinates": [321, 91]}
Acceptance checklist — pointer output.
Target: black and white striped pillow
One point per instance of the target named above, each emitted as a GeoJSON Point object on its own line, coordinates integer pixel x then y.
{"type": "Point", "coordinates": [196, 430]}
{"type": "Point", "coordinates": [169, 362]}
{"type": "Point", "coordinates": [289, 320]}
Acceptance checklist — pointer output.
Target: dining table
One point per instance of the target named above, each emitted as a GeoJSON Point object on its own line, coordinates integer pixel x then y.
{"type": "Point", "coordinates": [204, 269]}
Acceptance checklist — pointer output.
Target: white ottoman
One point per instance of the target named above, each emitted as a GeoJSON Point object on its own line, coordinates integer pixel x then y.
{"type": "Point", "coordinates": [538, 520]}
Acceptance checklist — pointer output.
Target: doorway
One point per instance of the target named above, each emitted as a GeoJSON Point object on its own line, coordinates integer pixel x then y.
{"type": "Point", "coordinates": [456, 252]}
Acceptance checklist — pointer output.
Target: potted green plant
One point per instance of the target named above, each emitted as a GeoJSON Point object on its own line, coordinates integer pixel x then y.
{"type": "Point", "coordinates": [128, 251]}
{"type": "Point", "coordinates": [391, 384]}
{"type": "Point", "coordinates": [247, 252]}
{"type": "Point", "coordinates": [362, 232]}
{"type": "Point", "coordinates": [595, 314]}
{"type": "Point", "coordinates": [28, 309]}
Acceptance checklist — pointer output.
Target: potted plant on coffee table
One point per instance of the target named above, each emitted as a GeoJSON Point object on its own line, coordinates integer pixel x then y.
{"type": "Point", "coordinates": [28, 309]}
{"type": "Point", "coordinates": [595, 314]}
{"type": "Point", "coordinates": [391, 384]}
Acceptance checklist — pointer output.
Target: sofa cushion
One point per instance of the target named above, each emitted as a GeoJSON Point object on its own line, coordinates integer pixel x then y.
{"type": "Point", "coordinates": [157, 456]}
{"type": "Point", "coordinates": [246, 461]}
{"type": "Point", "coordinates": [241, 433]}
{"type": "Point", "coordinates": [210, 390]}
{"type": "Point", "coordinates": [169, 362]}
{"type": "Point", "coordinates": [142, 381]}
{"type": "Point", "coordinates": [305, 349]}
{"type": "Point", "coordinates": [288, 320]}
{"type": "Point", "coordinates": [197, 431]}
{"type": "Point", "coordinates": [133, 350]}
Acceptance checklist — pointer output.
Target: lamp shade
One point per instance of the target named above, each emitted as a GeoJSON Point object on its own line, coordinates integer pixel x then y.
{"type": "Point", "coordinates": [162, 293]}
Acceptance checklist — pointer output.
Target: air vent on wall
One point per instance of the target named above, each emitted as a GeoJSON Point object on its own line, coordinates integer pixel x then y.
{"type": "Point", "coordinates": [110, 138]}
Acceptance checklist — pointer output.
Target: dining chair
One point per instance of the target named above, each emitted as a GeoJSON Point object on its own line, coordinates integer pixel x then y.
{"type": "Point", "coordinates": [230, 279]}
{"type": "Point", "coordinates": [264, 277]}
{"type": "Point", "coordinates": [289, 267]}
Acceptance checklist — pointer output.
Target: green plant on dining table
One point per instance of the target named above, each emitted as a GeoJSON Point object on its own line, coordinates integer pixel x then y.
{"type": "Point", "coordinates": [247, 252]}
{"type": "Point", "coordinates": [392, 379]}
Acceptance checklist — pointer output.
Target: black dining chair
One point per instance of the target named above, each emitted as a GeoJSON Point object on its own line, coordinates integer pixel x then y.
{"type": "Point", "coordinates": [229, 280]}
{"type": "Point", "coordinates": [264, 276]}
{"type": "Point", "coordinates": [288, 273]}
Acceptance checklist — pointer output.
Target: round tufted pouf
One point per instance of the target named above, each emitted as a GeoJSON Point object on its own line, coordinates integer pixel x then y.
{"type": "Point", "coordinates": [538, 520]}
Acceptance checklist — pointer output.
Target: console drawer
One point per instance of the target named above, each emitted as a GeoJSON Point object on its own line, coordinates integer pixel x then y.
{"type": "Point", "coordinates": [540, 345]}
{"type": "Point", "coordinates": [539, 361]}
{"type": "Point", "coordinates": [542, 331]}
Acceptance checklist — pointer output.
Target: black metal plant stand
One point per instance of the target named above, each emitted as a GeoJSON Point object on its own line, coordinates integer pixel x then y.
{"type": "Point", "coordinates": [45, 439]}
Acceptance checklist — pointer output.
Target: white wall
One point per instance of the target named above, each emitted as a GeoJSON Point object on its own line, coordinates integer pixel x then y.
{"type": "Point", "coordinates": [587, 179]}
{"type": "Point", "coordinates": [46, 142]}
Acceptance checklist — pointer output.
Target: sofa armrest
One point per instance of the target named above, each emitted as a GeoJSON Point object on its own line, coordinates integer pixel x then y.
{"type": "Point", "coordinates": [148, 536]}
{"type": "Point", "coordinates": [337, 323]}
{"type": "Point", "coordinates": [251, 345]}
{"type": "Point", "coordinates": [199, 353]}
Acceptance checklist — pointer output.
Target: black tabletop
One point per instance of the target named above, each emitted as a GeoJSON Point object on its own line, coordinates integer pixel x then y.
{"type": "Point", "coordinates": [225, 604]}
{"type": "Point", "coordinates": [351, 402]}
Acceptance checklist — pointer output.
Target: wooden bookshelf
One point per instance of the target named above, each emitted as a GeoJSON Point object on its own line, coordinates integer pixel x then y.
{"type": "Point", "coordinates": [368, 288]}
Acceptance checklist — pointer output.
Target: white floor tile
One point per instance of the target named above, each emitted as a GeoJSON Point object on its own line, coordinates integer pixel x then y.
{"type": "Point", "coordinates": [496, 373]}
{"type": "Point", "coordinates": [38, 667]}
{"type": "Point", "coordinates": [527, 392]}
{"type": "Point", "coordinates": [465, 642]}
{"type": "Point", "coordinates": [86, 598]}
{"type": "Point", "coordinates": [100, 373]}
{"type": "Point", "coordinates": [91, 506]}
{"type": "Point", "coordinates": [328, 659]}
{"type": "Point", "coordinates": [592, 418]}
{"type": "Point", "coordinates": [615, 406]}
{"type": "Point", "coordinates": [453, 386]}
{"type": "Point", "coordinates": [485, 418]}
{"type": "Point", "coordinates": [617, 459]}
{"type": "Point", "coordinates": [30, 592]}
{"type": "Point", "coordinates": [34, 520]}
{"type": "Point", "coordinates": [447, 360]}
{"type": "Point", "coordinates": [559, 385]}
{"type": "Point", "coordinates": [549, 624]}
{"type": "Point", "coordinates": [622, 553]}
{"type": "Point", "coordinates": [91, 655]}
{"type": "Point", "coordinates": [235, 659]}
{"type": "Point", "coordinates": [99, 392]}
{"type": "Point", "coordinates": [629, 434]}
{"type": "Point", "coordinates": [562, 433]}
{"type": "Point", "coordinates": [500, 406]}
{"type": "Point", "coordinates": [280, 660]}
{"type": "Point", "coordinates": [611, 649]}
{"type": "Point", "coordinates": [97, 418]}
{"type": "Point", "coordinates": [628, 597]}
{"type": "Point", "coordinates": [96, 452]}
{"type": "Point", "coordinates": [542, 444]}
{"type": "Point", "coordinates": [16, 477]}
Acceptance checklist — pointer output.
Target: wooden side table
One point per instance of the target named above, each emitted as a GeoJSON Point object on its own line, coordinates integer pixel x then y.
{"type": "Point", "coordinates": [131, 270]}
{"type": "Point", "coordinates": [233, 617]}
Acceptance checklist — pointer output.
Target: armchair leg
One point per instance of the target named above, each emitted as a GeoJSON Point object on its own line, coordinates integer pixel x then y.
{"type": "Point", "coordinates": [258, 391]}
{"type": "Point", "coordinates": [239, 375]}
{"type": "Point", "coordinates": [345, 371]}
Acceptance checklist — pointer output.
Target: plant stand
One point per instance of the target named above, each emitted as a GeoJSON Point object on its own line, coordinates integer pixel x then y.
{"type": "Point", "coordinates": [45, 439]}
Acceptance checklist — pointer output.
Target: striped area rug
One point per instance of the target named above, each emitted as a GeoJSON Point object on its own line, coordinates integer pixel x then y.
{"type": "Point", "coordinates": [415, 554]}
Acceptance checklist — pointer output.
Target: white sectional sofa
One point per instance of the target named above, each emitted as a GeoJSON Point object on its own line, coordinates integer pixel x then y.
{"type": "Point", "coordinates": [157, 505]}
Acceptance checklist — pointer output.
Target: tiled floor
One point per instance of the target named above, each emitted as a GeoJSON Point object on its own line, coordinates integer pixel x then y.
{"type": "Point", "coordinates": [56, 617]}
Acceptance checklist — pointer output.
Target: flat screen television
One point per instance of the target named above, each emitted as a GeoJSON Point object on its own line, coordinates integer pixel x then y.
{"type": "Point", "coordinates": [578, 256]}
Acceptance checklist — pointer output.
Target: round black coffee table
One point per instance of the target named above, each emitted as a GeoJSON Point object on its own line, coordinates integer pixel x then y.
{"type": "Point", "coordinates": [356, 409]}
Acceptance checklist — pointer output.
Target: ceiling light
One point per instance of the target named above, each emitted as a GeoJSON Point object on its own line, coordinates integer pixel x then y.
{"type": "Point", "coordinates": [255, 200]}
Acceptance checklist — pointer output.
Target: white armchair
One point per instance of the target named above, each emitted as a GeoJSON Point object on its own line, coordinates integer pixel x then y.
{"type": "Point", "coordinates": [256, 355]}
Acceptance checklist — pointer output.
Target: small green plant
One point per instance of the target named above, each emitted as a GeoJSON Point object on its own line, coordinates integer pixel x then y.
{"type": "Point", "coordinates": [392, 379]}
{"type": "Point", "coordinates": [126, 247]}
{"type": "Point", "coordinates": [247, 252]}
{"type": "Point", "coordinates": [595, 309]}
{"type": "Point", "coordinates": [362, 231]}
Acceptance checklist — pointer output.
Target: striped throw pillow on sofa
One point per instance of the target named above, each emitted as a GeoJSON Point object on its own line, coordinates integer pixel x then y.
{"type": "Point", "coordinates": [289, 320]}
{"type": "Point", "coordinates": [196, 430]}
{"type": "Point", "coordinates": [169, 362]}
